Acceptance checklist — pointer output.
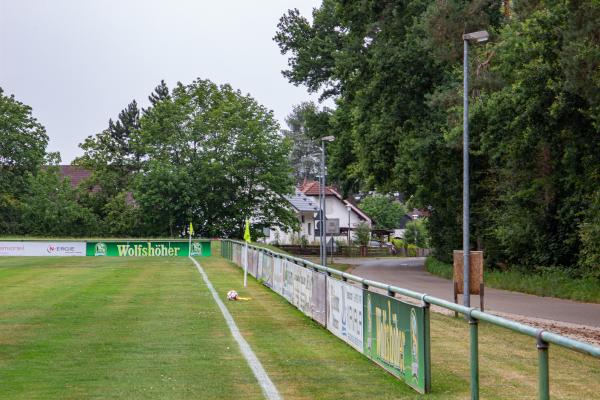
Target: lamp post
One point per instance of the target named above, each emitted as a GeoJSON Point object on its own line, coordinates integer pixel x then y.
{"type": "Point", "coordinates": [478, 37]}
{"type": "Point", "coordinates": [348, 207]}
{"type": "Point", "coordinates": [322, 233]}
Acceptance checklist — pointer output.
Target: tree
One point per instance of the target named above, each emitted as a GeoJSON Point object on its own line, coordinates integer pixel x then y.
{"type": "Point", "coordinates": [305, 155]}
{"type": "Point", "coordinates": [213, 156]}
{"type": "Point", "coordinates": [385, 211]}
{"type": "Point", "coordinates": [23, 142]}
{"type": "Point", "coordinates": [416, 233]}
{"type": "Point", "coordinates": [362, 234]}
{"type": "Point", "coordinates": [51, 209]}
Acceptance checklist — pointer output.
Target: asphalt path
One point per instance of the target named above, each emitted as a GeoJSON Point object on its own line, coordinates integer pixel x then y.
{"type": "Point", "coordinates": [410, 273]}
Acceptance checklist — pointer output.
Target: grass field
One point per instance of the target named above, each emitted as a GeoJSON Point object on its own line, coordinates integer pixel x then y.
{"type": "Point", "coordinates": [74, 328]}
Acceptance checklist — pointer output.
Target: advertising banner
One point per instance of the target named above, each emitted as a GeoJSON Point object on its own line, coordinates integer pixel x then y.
{"type": "Point", "coordinates": [345, 312]}
{"type": "Point", "coordinates": [397, 338]}
{"type": "Point", "coordinates": [147, 248]}
{"type": "Point", "coordinates": [278, 274]}
{"type": "Point", "coordinates": [302, 289]}
{"type": "Point", "coordinates": [267, 270]}
{"type": "Point", "coordinates": [42, 248]}
{"type": "Point", "coordinates": [288, 280]}
{"type": "Point", "coordinates": [318, 300]}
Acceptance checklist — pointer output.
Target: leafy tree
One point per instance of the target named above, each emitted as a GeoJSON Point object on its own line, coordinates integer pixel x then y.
{"type": "Point", "coordinates": [305, 156]}
{"type": "Point", "coordinates": [23, 142]}
{"type": "Point", "coordinates": [51, 209]}
{"type": "Point", "coordinates": [362, 234]}
{"type": "Point", "coordinates": [213, 156]}
{"type": "Point", "coordinates": [385, 211]}
{"type": "Point", "coordinates": [416, 234]}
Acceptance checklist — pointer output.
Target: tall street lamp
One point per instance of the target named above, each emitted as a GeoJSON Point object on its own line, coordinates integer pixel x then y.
{"type": "Point", "coordinates": [322, 233]}
{"type": "Point", "coordinates": [349, 208]}
{"type": "Point", "coordinates": [477, 37]}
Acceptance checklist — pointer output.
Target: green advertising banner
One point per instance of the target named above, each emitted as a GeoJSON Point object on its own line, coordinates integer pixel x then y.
{"type": "Point", "coordinates": [152, 248]}
{"type": "Point", "coordinates": [396, 336]}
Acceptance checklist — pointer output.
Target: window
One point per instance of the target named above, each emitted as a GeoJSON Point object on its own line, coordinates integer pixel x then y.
{"type": "Point", "coordinates": [303, 219]}
{"type": "Point", "coordinates": [309, 228]}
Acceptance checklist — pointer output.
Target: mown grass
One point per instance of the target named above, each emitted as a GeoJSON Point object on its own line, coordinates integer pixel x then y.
{"type": "Point", "coordinates": [85, 328]}
{"type": "Point", "coordinates": [545, 282]}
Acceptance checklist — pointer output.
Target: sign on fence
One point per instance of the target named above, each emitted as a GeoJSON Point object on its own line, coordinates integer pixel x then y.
{"type": "Point", "coordinates": [345, 312]}
{"type": "Point", "coordinates": [45, 248]}
{"type": "Point", "coordinates": [147, 248]}
{"type": "Point", "coordinates": [397, 338]}
{"type": "Point", "coordinates": [318, 302]}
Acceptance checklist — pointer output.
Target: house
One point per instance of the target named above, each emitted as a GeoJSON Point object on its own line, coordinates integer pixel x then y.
{"type": "Point", "coordinates": [348, 214]}
{"type": "Point", "coordinates": [305, 209]}
{"type": "Point", "coordinates": [413, 215]}
{"type": "Point", "coordinates": [75, 174]}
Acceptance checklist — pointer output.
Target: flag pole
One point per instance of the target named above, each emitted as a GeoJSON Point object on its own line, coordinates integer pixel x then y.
{"type": "Point", "coordinates": [190, 232]}
{"type": "Point", "coordinates": [247, 240]}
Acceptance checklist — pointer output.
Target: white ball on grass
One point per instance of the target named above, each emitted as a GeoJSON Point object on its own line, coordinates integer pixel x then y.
{"type": "Point", "coordinates": [232, 295]}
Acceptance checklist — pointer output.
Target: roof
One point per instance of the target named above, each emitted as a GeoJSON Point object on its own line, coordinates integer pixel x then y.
{"type": "Point", "coordinates": [312, 188]}
{"type": "Point", "coordinates": [76, 173]}
{"type": "Point", "coordinates": [301, 202]}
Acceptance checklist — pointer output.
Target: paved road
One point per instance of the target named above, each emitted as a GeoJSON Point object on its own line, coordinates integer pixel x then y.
{"type": "Point", "coordinates": [410, 273]}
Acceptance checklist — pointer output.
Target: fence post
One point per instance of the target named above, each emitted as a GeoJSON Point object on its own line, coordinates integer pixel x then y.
{"type": "Point", "coordinates": [543, 368]}
{"type": "Point", "coordinates": [474, 356]}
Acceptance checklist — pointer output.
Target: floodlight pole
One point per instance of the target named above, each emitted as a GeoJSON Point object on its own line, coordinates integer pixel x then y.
{"type": "Point", "coordinates": [322, 232]}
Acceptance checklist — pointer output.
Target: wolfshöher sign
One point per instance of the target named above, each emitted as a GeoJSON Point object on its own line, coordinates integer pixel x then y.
{"type": "Point", "coordinates": [396, 336]}
{"type": "Point", "coordinates": [147, 248]}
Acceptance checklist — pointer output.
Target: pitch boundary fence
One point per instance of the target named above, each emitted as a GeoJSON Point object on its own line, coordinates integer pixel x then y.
{"type": "Point", "coordinates": [232, 250]}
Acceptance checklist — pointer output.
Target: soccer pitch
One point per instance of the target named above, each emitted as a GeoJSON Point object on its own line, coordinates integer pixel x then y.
{"type": "Point", "coordinates": [142, 328]}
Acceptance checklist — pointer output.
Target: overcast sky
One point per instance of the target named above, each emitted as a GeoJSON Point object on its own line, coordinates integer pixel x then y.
{"type": "Point", "coordinates": [78, 63]}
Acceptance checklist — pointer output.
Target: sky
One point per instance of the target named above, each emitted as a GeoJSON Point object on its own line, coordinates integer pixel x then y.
{"type": "Point", "coordinates": [78, 63]}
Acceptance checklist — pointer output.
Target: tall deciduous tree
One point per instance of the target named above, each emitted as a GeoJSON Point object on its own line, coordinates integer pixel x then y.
{"type": "Point", "coordinates": [385, 211]}
{"type": "Point", "coordinates": [23, 142]}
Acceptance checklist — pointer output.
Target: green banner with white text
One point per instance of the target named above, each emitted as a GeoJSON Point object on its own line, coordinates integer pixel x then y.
{"type": "Point", "coordinates": [396, 336]}
{"type": "Point", "coordinates": [150, 248]}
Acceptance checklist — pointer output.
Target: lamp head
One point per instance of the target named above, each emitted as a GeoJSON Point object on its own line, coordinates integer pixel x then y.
{"type": "Point", "coordinates": [329, 138]}
{"type": "Point", "coordinates": [479, 36]}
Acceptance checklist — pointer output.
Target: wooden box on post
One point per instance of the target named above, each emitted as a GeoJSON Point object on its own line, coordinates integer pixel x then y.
{"type": "Point", "coordinates": [475, 275]}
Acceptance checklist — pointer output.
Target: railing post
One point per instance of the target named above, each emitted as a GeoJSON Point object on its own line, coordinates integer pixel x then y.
{"type": "Point", "coordinates": [543, 368]}
{"type": "Point", "coordinates": [474, 357]}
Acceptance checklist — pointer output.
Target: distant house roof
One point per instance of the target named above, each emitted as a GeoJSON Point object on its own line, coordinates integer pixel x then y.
{"type": "Point", "coordinates": [301, 202]}
{"type": "Point", "coordinates": [75, 173]}
{"type": "Point", "coordinates": [420, 213]}
{"type": "Point", "coordinates": [312, 188]}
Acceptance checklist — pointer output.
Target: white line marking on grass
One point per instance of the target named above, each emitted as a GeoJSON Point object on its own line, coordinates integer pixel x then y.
{"type": "Point", "coordinates": [264, 381]}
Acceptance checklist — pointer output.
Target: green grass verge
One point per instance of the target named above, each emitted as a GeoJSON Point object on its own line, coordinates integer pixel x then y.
{"type": "Point", "coordinates": [549, 282]}
{"type": "Point", "coordinates": [148, 328]}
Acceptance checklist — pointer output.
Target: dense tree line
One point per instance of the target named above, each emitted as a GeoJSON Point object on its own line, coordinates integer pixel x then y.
{"type": "Point", "coordinates": [394, 69]}
{"type": "Point", "coordinates": [201, 152]}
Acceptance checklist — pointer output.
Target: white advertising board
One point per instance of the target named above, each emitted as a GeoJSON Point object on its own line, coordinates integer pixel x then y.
{"type": "Point", "coordinates": [61, 249]}
{"type": "Point", "coordinates": [288, 280]}
{"type": "Point", "coordinates": [278, 275]}
{"type": "Point", "coordinates": [302, 289]}
{"type": "Point", "coordinates": [345, 312]}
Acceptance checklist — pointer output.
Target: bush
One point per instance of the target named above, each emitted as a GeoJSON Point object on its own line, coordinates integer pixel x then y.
{"type": "Point", "coordinates": [362, 234]}
{"type": "Point", "coordinates": [398, 244]}
{"type": "Point", "coordinates": [416, 233]}
{"type": "Point", "coordinates": [411, 250]}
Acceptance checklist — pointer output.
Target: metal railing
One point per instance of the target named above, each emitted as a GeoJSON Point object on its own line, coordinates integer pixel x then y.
{"type": "Point", "coordinates": [543, 337]}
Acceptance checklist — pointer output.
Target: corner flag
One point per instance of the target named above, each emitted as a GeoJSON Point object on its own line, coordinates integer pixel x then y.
{"type": "Point", "coordinates": [191, 228]}
{"type": "Point", "coordinates": [247, 231]}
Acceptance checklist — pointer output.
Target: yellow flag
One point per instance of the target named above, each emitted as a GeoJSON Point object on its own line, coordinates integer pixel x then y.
{"type": "Point", "coordinates": [247, 231]}
{"type": "Point", "coordinates": [191, 229]}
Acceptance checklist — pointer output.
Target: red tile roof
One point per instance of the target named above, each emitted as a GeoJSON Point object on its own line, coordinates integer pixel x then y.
{"type": "Point", "coordinates": [312, 188]}
{"type": "Point", "coordinates": [75, 173]}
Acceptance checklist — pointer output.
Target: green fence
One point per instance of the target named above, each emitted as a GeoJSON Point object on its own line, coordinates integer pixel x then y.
{"type": "Point", "coordinates": [543, 337]}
